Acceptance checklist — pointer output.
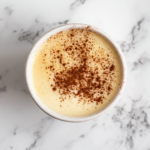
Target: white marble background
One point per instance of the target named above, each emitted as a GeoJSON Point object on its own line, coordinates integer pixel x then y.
{"type": "Point", "coordinates": [23, 126]}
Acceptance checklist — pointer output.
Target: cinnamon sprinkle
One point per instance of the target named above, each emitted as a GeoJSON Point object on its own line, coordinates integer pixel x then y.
{"type": "Point", "coordinates": [81, 80]}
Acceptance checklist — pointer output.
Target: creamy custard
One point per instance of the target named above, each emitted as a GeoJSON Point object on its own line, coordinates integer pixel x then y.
{"type": "Point", "coordinates": [76, 72]}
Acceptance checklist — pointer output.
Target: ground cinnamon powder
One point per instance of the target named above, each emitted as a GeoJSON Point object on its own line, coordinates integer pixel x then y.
{"type": "Point", "coordinates": [81, 79]}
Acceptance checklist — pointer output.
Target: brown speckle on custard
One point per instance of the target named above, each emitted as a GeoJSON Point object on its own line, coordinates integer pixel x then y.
{"type": "Point", "coordinates": [81, 79]}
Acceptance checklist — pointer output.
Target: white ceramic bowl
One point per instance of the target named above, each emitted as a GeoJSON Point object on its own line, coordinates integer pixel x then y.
{"type": "Point", "coordinates": [30, 84]}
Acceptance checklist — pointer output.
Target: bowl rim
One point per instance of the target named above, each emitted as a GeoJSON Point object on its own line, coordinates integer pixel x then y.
{"type": "Point", "coordinates": [29, 82]}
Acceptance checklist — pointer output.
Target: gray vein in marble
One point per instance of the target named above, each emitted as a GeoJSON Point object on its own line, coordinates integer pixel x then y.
{"type": "Point", "coordinates": [40, 131]}
{"type": "Point", "coordinates": [76, 4]}
{"type": "Point", "coordinates": [25, 91]}
{"type": "Point", "coordinates": [14, 31]}
{"type": "Point", "coordinates": [144, 59]}
{"type": "Point", "coordinates": [3, 74]}
{"type": "Point", "coordinates": [129, 142]}
{"type": "Point", "coordinates": [32, 34]}
{"type": "Point", "coordinates": [36, 20]}
{"type": "Point", "coordinates": [131, 40]}
{"type": "Point", "coordinates": [135, 31]}
{"type": "Point", "coordinates": [38, 136]}
{"type": "Point", "coordinates": [9, 10]}
{"type": "Point", "coordinates": [62, 23]}
{"type": "Point", "coordinates": [71, 143]}
{"type": "Point", "coordinates": [3, 88]}
{"type": "Point", "coordinates": [14, 133]}
{"type": "Point", "coordinates": [135, 121]}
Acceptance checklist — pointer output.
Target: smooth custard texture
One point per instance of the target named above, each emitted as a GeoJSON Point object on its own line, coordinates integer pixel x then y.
{"type": "Point", "coordinates": [76, 72]}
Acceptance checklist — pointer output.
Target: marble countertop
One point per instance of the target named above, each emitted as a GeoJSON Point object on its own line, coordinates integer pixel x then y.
{"type": "Point", "coordinates": [23, 126]}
